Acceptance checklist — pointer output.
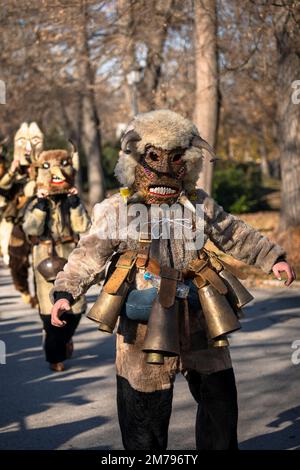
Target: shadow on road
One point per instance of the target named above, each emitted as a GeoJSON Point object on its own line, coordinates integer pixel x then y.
{"type": "Point", "coordinates": [29, 388]}
{"type": "Point", "coordinates": [262, 314]}
{"type": "Point", "coordinates": [281, 438]}
{"type": "Point", "coordinates": [51, 437]}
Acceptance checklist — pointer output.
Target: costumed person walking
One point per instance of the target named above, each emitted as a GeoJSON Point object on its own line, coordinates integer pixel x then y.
{"type": "Point", "coordinates": [53, 222]}
{"type": "Point", "coordinates": [19, 186]}
{"type": "Point", "coordinates": [176, 301]}
{"type": "Point", "coordinates": [5, 228]}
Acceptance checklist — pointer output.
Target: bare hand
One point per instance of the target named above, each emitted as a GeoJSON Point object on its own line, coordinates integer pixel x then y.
{"type": "Point", "coordinates": [14, 165]}
{"type": "Point", "coordinates": [73, 191]}
{"type": "Point", "coordinates": [42, 193]}
{"type": "Point", "coordinates": [58, 309]}
{"type": "Point", "coordinates": [283, 266]}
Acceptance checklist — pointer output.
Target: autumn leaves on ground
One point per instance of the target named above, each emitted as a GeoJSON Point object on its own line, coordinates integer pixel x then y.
{"type": "Point", "coordinates": [268, 223]}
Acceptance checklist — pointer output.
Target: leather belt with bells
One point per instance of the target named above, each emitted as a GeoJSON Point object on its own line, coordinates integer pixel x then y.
{"type": "Point", "coordinates": [144, 250]}
{"type": "Point", "coordinates": [124, 266]}
{"type": "Point", "coordinates": [205, 274]}
{"type": "Point", "coordinates": [168, 284]}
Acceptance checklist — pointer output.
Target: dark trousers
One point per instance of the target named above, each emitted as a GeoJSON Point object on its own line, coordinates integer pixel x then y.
{"type": "Point", "coordinates": [144, 417]}
{"type": "Point", "coordinates": [19, 251]}
{"type": "Point", "coordinates": [56, 339]}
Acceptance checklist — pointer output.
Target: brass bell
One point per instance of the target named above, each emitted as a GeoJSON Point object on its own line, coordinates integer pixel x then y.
{"type": "Point", "coordinates": [237, 294]}
{"type": "Point", "coordinates": [219, 316]}
{"type": "Point", "coordinates": [162, 337]}
{"type": "Point", "coordinates": [107, 307]}
{"type": "Point", "coordinates": [220, 342]}
{"type": "Point", "coordinates": [155, 358]}
{"type": "Point", "coordinates": [50, 267]}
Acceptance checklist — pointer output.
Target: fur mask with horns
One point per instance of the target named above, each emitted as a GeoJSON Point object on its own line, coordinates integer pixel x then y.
{"type": "Point", "coordinates": [161, 155]}
{"type": "Point", "coordinates": [56, 170]}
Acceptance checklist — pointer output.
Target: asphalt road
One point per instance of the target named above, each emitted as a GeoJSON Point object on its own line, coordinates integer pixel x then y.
{"type": "Point", "coordinates": [76, 409]}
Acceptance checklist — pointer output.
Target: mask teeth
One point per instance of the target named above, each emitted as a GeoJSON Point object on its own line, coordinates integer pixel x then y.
{"type": "Point", "coordinates": [163, 191]}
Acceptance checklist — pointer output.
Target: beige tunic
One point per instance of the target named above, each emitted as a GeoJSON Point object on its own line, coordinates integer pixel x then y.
{"type": "Point", "coordinates": [36, 224]}
{"type": "Point", "coordinates": [94, 249]}
{"type": "Point", "coordinates": [9, 179]}
{"type": "Point", "coordinates": [19, 188]}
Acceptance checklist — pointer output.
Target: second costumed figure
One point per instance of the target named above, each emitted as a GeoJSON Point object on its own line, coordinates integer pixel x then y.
{"type": "Point", "coordinates": [53, 221]}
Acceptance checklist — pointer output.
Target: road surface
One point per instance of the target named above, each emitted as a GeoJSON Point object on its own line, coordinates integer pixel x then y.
{"type": "Point", "coordinates": [76, 409]}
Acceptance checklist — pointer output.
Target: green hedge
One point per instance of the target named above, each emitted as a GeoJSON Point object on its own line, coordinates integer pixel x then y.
{"type": "Point", "coordinates": [238, 187]}
{"type": "Point", "coordinates": [110, 156]}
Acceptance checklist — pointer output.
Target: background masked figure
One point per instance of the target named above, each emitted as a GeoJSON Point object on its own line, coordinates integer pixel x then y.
{"type": "Point", "coordinates": [53, 221]}
{"type": "Point", "coordinates": [19, 185]}
{"type": "Point", "coordinates": [160, 161]}
{"type": "Point", "coordinates": [5, 227]}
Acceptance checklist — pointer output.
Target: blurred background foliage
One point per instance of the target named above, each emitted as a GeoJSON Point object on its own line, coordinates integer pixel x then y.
{"type": "Point", "coordinates": [239, 187]}
{"type": "Point", "coordinates": [83, 69]}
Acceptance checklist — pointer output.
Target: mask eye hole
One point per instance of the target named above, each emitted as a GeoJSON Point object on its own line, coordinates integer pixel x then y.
{"type": "Point", "coordinates": [65, 162]}
{"type": "Point", "coordinates": [46, 165]}
{"type": "Point", "coordinates": [153, 156]}
{"type": "Point", "coordinates": [177, 158]}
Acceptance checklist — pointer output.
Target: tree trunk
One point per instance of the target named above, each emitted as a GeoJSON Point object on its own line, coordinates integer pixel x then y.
{"type": "Point", "coordinates": [289, 127]}
{"type": "Point", "coordinates": [91, 143]}
{"type": "Point", "coordinates": [90, 125]}
{"type": "Point", "coordinates": [206, 71]}
{"type": "Point", "coordinates": [264, 162]}
{"type": "Point", "coordinates": [149, 85]}
{"type": "Point", "coordinates": [127, 31]}
{"type": "Point", "coordinates": [72, 131]}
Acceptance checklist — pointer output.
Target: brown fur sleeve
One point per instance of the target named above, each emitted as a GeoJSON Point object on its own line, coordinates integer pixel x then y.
{"type": "Point", "coordinates": [235, 237]}
{"type": "Point", "coordinates": [87, 261]}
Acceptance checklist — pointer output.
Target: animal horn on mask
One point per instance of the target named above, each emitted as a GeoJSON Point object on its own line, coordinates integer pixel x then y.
{"type": "Point", "coordinates": [74, 155]}
{"type": "Point", "coordinates": [197, 141]}
{"type": "Point", "coordinates": [129, 138]}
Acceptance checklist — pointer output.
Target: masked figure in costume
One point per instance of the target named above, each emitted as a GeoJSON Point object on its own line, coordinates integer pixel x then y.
{"type": "Point", "coordinates": [3, 158]}
{"type": "Point", "coordinates": [4, 225]}
{"type": "Point", "coordinates": [52, 223]}
{"type": "Point", "coordinates": [19, 185]}
{"type": "Point", "coordinates": [197, 300]}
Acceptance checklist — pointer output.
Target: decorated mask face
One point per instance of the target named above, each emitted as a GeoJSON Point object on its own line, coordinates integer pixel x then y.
{"type": "Point", "coordinates": [159, 175]}
{"type": "Point", "coordinates": [56, 173]}
{"type": "Point", "coordinates": [28, 143]}
{"type": "Point", "coordinates": [161, 157]}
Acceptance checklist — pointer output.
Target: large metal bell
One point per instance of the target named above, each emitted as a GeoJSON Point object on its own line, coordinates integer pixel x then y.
{"type": "Point", "coordinates": [162, 337]}
{"type": "Point", "coordinates": [220, 317]}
